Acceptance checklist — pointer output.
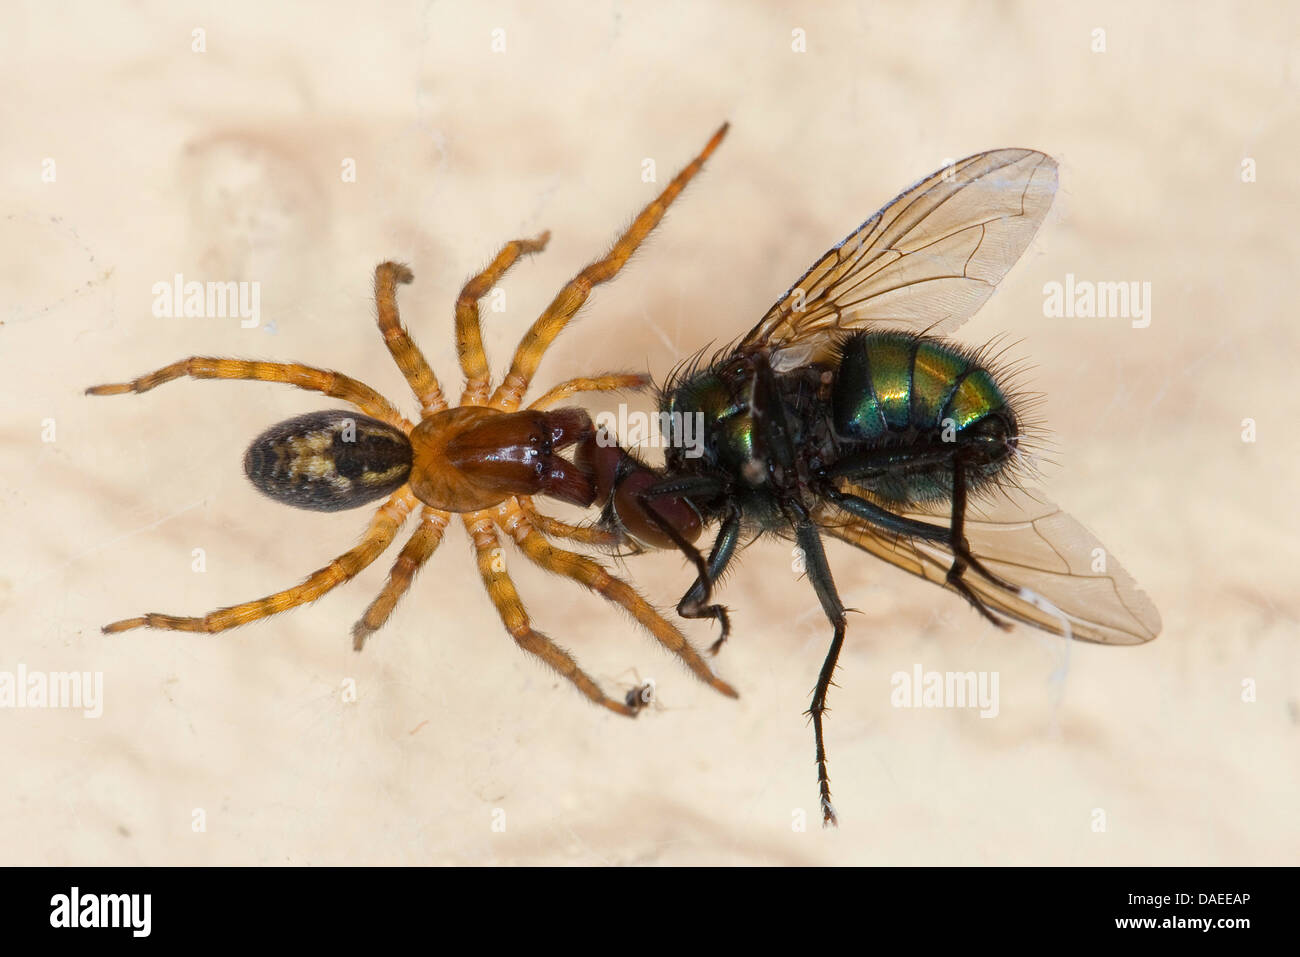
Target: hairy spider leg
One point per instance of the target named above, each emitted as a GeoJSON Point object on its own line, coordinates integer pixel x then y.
{"type": "Point", "coordinates": [334, 384]}
{"type": "Point", "coordinates": [610, 382]}
{"type": "Point", "coordinates": [384, 527]}
{"type": "Point", "coordinates": [501, 590]}
{"type": "Point", "coordinates": [554, 528]}
{"type": "Point", "coordinates": [593, 576]}
{"type": "Point", "coordinates": [549, 324]}
{"type": "Point", "coordinates": [414, 554]}
{"type": "Point", "coordinates": [469, 328]}
{"type": "Point", "coordinates": [405, 352]}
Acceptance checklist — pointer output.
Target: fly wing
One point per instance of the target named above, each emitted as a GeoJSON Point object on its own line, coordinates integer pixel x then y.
{"type": "Point", "coordinates": [925, 263]}
{"type": "Point", "coordinates": [1035, 546]}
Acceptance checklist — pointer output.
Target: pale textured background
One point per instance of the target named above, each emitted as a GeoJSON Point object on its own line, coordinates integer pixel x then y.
{"type": "Point", "coordinates": [225, 165]}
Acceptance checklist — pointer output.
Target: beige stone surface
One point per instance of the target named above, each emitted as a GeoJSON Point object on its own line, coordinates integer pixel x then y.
{"type": "Point", "coordinates": [226, 165]}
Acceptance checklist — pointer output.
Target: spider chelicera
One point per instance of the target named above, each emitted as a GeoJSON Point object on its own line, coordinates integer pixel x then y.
{"type": "Point", "coordinates": [483, 459]}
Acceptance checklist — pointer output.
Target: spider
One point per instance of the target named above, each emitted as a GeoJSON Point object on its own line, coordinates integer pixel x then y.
{"type": "Point", "coordinates": [483, 459]}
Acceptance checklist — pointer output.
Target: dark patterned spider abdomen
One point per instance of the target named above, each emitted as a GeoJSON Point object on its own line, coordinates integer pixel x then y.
{"type": "Point", "coordinates": [483, 459]}
{"type": "Point", "coordinates": [329, 461]}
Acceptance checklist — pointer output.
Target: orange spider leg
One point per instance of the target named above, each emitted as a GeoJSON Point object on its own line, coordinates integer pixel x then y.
{"type": "Point", "coordinates": [334, 384]}
{"type": "Point", "coordinates": [610, 382]}
{"type": "Point", "coordinates": [492, 568]}
{"type": "Point", "coordinates": [593, 576]}
{"type": "Point", "coordinates": [405, 352]}
{"type": "Point", "coordinates": [554, 528]}
{"type": "Point", "coordinates": [414, 554]}
{"type": "Point", "coordinates": [557, 315]}
{"type": "Point", "coordinates": [383, 528]}
{"type": "Point", "coordinates": [469, 338]}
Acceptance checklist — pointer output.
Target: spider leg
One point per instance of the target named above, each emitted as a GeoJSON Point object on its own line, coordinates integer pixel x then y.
{"type": "Point", "coordinates": [492, 568]}
{"type": "Point", "coordinates": [554, 528]}
{"type": "Point", "coordinates": [611, 382]}
{"type": "Point", "coordinates": [469, 338]}
{"type": "Point", "coordinates": [538, 339]}
{"type": "Point", "coordinates": [593, 576]}
{"type": "Point", "coordinates": [413, 555]}
{"type": "Point", "coordinates": [384, 527]}
{"type": "Point", "coordinates": [334, 384]}
{"type": "Point", "coordinates": [405, 352]}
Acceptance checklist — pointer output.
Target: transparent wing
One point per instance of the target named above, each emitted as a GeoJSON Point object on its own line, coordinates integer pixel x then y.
{"type": "Point", "coordinates": [1034, 545]}
{"type": "Point", "coordinates": [927, 261]}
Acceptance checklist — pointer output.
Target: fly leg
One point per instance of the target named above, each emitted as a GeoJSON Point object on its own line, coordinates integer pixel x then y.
{"type": "Point", "coordinates": [693, 603]}
{"type": "Point", "coordinates": [819, 573]}
{"type": "Point", "coordinates": [953, 535]}
{"type": "Point", "coordinates": [962, 555]}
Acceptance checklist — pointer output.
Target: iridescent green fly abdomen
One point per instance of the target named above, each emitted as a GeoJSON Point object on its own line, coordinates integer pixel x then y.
{"type": "Point", "coordinates": [909, 393]}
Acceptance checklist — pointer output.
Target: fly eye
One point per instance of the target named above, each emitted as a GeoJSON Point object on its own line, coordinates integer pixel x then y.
{"type": "Point", "coordinates": [730, 374]}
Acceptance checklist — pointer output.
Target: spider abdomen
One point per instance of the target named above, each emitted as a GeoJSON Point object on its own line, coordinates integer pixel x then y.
{"type": "Point", "coordinates": [328, 461]}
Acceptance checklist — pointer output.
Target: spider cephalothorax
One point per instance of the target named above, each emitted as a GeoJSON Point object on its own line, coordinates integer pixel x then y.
{"type": "Point", "coordinates": [482, 459]}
